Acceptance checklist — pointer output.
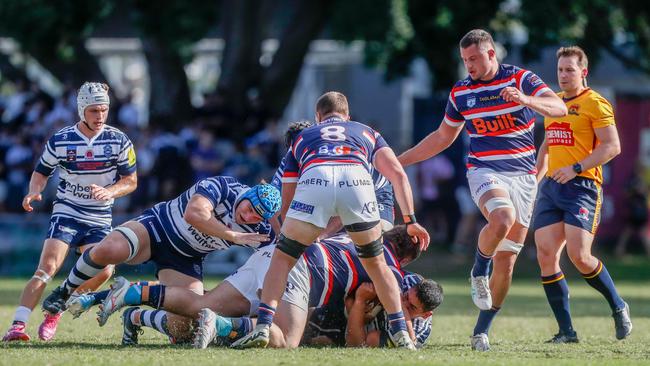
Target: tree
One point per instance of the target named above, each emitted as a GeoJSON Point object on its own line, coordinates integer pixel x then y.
{"type": "Point", "coordinates": [54, 34]}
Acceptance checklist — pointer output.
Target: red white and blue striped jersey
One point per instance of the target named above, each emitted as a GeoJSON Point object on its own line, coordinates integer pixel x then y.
{"type": "Point", "coordinates": [335, 270]}
{"type": "Point", "coordinates": [332, 142]}
{"type": "Point", "coordinates": [501, 133]}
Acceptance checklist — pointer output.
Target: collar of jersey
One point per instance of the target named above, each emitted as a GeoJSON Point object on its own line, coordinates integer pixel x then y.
{"type": "Point", "coordinates": [332, 120]}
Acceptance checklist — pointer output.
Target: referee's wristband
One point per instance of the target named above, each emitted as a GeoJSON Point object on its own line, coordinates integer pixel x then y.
{"type": "Point", "coordinates": [409, 219]}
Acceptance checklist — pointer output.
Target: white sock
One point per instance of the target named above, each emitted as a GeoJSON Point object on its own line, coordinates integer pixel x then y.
{"type": "Point", "coordinates": [22, 314]}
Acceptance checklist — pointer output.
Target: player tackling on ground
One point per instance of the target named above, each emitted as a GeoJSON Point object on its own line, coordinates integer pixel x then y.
{"type": "Point", "coordinates": [332, 161]}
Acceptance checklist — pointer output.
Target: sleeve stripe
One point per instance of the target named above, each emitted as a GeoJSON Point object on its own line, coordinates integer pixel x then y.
{"type": "Point", "coordinates": [452, 123]}
{"type": "Point", "coordinates": [541, 90]}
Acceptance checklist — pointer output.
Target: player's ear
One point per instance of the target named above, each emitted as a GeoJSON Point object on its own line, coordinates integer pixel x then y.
{"type": "Point", "coordinates": [317, 117]}
{"type": "Point", "coordinates": [585, 71]}
{"type": "Point", "coordinates": [492, 54]}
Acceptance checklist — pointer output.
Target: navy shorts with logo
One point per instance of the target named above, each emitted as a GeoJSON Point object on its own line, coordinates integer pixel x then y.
{"type": "Point", "coordinates": [386, 203]}
{"type": "Point", "coordinates": [75, 233]}
{"type": "Point", "coordinates": [576, 203]}
{"type": "Point", "coordinates": [163, 253]}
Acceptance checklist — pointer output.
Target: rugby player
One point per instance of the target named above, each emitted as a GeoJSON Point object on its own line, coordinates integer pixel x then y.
{"type": "Point", "coordinates": [496, 103]}
{"type": "Point", "coordinates": [331, 162]}
{"type": "Point", "coordinates": [97, 164]}
{"type": "Point", "coordinates": [214, 214]}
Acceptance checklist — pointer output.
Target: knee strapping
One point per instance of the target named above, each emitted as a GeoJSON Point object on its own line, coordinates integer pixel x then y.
{"type": "Point", "coordinates": [131, 239]}
{"type": "Point", "coordinates": [373, 249]}
{"type": "Point", "coordinates": [361, 226]}
{"type": "Point", "coordinates": [291, 247]}
{"type": "Point", "coordinates": [498, 202]}
{"type": "Point", "coordinates": [507, 245]}
{"type": "Point", "coordinates": [42, 275]}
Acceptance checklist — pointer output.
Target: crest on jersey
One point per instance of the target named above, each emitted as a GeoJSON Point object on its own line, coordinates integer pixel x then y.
{"type": "Point", "coordinates": [71, 153]}
{"type": "Point", "coordinates": [573, 109]}
{"type": "Point", "coordinates": [471, 101]}
{"type": "Point", "coordinates": [108, 150]}
{"type": "Point", "coordinates": [89, 154]}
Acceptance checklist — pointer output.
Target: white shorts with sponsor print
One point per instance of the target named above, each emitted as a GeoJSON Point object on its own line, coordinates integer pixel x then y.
{"type": "Point", "coordinates": [522, 189]}
{"type": "Point", "coordinates": [324, 191]}
{"type": "Point", "coordinates": [249, 278]}
{"type": "Point", "coordinates": [298, 286]}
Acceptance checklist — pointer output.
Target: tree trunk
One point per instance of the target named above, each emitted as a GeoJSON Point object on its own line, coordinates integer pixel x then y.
{"type": "Point", "coordinates": [280, 77]}
{"type": "Point", "coordinates": [169, 102]}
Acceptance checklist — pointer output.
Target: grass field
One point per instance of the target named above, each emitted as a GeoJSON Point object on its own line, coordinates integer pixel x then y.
{"type": "Point", "coordinates": [517, 336]}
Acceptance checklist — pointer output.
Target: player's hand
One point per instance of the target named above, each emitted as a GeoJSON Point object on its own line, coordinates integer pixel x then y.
{"type": "Point", "coordinates": [564, 175]}
{"type": "Point", "coordinates": [510, 94]}
{"type": "Point", "coordinates": [419, 235]}
{"type": "Point", "coordinates": [252, 239]}
{"type": "Point", "coordinates": [100, 193]}
{"type": "Point", "coordinates": [31, 196]}
{"type": "Point", "coordinates": [366, 292]}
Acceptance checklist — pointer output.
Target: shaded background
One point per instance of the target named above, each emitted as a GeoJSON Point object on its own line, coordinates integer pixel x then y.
{"type": "Point", "coordinates": [207, 88]}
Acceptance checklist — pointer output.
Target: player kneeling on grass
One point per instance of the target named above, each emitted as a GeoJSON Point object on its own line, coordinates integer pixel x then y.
{"type": "Point", "coordinates": [214, 214]}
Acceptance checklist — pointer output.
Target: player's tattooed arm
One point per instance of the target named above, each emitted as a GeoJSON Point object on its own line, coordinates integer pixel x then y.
{"type": "Point", "coordinates": [36, 185]}
{"type": "Point", "coordinates": [125, 185]}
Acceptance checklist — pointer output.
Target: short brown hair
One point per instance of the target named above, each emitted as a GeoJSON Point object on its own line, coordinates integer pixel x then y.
{"type": "Point", "coordinates": [477, 37]}
{"type": "Point", "coordinates": [332, 102]}
{"type": "Point", "coordinates": [574, 51]}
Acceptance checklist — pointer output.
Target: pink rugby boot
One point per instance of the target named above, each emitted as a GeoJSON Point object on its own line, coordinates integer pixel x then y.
{"type": "Point", "coordinates": [16, 333]}
{"type": "Point", "coordinates": [47, 329]}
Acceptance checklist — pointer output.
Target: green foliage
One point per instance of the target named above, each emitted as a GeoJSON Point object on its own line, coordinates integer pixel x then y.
{"type": "Point", "coordinates": [51, 28]}
{"type": "Point", "coordinates": [178, 24]}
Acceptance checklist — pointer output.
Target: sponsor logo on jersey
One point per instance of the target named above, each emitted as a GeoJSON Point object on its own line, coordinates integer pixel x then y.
{"type": "Point", "coordinates": [78, 190]}
{"type": "Point", "coordinates": [573, 109]}
{"type": "Point", "coordinates": [302, 207]}
{"type": "Point", "coordinates": [71, 153]}
{"type": "Point", "coordinates": [559, 134]}
{"type": "Point", "coordinates": [131, 156]}
{"type": "Point", "coordinates": [499, 123]}
{"type": "Point", "coordinates": [108, 151]}
{"type": "Point", "coordinates": [90, 154]}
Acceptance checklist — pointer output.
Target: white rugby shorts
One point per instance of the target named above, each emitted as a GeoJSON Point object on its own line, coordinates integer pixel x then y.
{"type": "Point", "coordinates": [521, 188]}
{"type": "Point", "coordinates": [324, 191]}
{"type": "Point", "coordinates": [249, 278]}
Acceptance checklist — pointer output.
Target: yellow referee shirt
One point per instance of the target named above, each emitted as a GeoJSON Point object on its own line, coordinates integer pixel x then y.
{"type": "Point", "coordinates": [571, 138]}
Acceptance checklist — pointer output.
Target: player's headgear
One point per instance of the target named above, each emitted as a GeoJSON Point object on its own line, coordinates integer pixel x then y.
{"type": "Point", "coordinates": [89, 94]}
{"type": "Point", "coordinates": [265, 199]}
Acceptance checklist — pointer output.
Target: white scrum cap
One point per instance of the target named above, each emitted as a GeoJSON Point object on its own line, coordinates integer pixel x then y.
{"type": "Point", "coordinates": [91, 94]}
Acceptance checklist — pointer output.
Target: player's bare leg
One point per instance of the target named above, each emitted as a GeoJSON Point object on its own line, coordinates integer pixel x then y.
{"type": "Point", "coordinates": [52, 256]}
{"type": "Point", "coordinates": [500, 281]}
{"type": "Point", "coordinates": [578, 245]}
{"type": "Point", "coordinates": [297, 236]}
{"type": "Point", "coordinates": [500, 214]}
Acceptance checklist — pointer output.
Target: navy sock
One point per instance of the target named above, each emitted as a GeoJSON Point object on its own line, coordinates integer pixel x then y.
{"type": "Point", "coordinates": [600, 279]}
{"type": "Point", "coordinates": [156, 296]}
{"type": "Point", "coordinates": [396, 322]}
{"type": "Point", "coordinates": [100, 296]}
{"type": "Point", "coordinates": [265, 314]}
{"type": "Point", "coordinates": [481, 264]}
{"type": "Point", "coordinates": [240, 327]}
{"type": "Point", "coordinates": [484, 320]}
{"type": "Point", "coordinates": [557, 294]}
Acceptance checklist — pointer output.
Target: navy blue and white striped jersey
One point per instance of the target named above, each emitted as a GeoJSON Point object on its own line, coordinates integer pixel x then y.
{"type": "Point", "coordinates": [224, 193]}
{"type": "Point", "coordinates": [83, 162]}
{"type": "Point", "coordinates": [333, 141]}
